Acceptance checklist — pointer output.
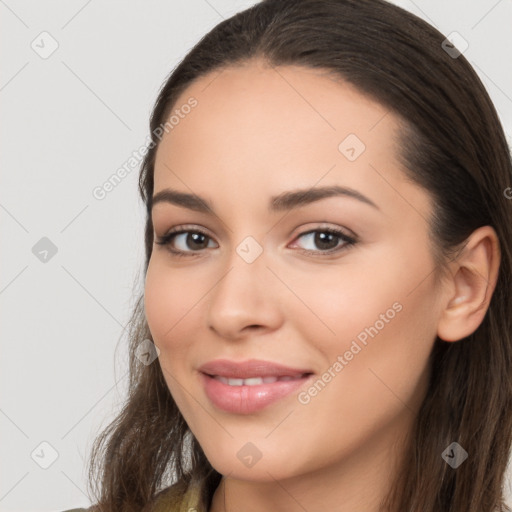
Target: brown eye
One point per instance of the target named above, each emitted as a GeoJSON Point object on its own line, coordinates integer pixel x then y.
{"type": "Point", "coordinates": [326, 240]}
{"type": "Point", "coordinates": [187, 242]}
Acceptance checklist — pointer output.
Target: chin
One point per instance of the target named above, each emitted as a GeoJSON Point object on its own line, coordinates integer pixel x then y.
{"type": "Point", "coordinates": [237, 464]}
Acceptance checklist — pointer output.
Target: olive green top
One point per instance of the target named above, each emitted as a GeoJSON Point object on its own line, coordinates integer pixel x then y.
{"type": "Point", "coordinates": [175, 499]}
{"type": "Point", "coordinates": [172, 499]}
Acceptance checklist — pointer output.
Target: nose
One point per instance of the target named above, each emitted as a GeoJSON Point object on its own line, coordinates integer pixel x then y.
{"type": "Point", "coordinates": [244, 300]}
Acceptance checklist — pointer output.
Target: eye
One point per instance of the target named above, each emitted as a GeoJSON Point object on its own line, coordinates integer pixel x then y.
{"type": "Point", "coordinates": [194, 239]}
{"type": "Point", "coordinates": [327, 240]}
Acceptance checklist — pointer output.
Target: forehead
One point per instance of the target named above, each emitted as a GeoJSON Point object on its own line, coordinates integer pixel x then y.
{"type": "Point", "coordinates": [278, 104]}
{"type": "Point", "coordinates": [286, 127]}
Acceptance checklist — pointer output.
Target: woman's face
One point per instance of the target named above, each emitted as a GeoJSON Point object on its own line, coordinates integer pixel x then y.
{"type": "Point", "coordinates": [272, 282]}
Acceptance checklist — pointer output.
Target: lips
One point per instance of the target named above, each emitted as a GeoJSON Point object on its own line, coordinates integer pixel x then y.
{"type": "Point", "coordinates": [248, 387]}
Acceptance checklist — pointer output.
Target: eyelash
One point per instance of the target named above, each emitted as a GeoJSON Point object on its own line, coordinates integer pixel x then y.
{"type": "Point", "coordinates": [166, 241]}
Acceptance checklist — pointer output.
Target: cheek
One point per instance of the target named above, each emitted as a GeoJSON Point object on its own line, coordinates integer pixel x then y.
{"type": "Point", "coordinates": [166, 300]}
{"type": "Point", "coordinates": [387, 340]}
{"type": "Point", "coordinates": [386, 284]}
{"type": "Point", "coordinates": [168, 308]}
{"type": "Point", "coordinates": [158, 303]}
{"type": "Point", "coordinates": [378, 380]}
{"type": "Point", "coordinates": [376, 371]}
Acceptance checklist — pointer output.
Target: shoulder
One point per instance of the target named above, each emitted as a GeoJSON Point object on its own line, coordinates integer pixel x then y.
{"type": "Point", "coordinates": [179, 497]}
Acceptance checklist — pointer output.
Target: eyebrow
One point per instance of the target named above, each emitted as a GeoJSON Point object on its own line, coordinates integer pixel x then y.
{"type": "Point", "coordinates": [282, 202]}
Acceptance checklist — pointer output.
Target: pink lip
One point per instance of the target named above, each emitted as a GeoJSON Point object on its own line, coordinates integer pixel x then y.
{"type": "Point", "coordinates": [249, 399]}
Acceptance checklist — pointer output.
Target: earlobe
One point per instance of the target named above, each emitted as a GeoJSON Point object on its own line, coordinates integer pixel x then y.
{"type": "Point", "coordinates": [474, 277]}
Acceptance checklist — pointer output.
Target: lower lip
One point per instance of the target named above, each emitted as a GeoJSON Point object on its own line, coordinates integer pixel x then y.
{"type": "Point", "coordinates": [248, 399]}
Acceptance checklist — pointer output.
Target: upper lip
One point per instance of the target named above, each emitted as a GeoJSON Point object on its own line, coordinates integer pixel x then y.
{"type": "Point", "coordinates": [249, 369]}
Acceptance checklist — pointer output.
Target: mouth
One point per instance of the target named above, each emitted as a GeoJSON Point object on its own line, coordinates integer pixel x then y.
{"type": "Point", "coordinates": [249, 387]}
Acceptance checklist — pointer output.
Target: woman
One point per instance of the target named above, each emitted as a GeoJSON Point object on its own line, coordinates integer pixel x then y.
{"type": "Point", "coordinates": [327, 282]}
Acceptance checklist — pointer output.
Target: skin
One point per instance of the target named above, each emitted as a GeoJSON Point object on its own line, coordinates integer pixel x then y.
{"type": "Point", "coordinates": [255, 133]}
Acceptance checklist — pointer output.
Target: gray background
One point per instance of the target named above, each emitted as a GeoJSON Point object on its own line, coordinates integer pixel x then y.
{"type": "Point", "coordinates": [69, 121]}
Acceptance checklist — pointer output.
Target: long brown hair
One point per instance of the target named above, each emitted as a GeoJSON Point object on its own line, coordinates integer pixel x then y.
{"type": "Point", "coordinates": [453, 145]}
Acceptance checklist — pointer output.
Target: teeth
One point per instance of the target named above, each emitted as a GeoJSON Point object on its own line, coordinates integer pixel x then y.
{"type": "Point", "coordinates": [235, 382]}
{"type": "Point", "coordinates": [253, 381]}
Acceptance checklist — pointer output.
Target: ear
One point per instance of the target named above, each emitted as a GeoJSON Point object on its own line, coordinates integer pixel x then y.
{"type": "Point", "coordinates": [469, 289]}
